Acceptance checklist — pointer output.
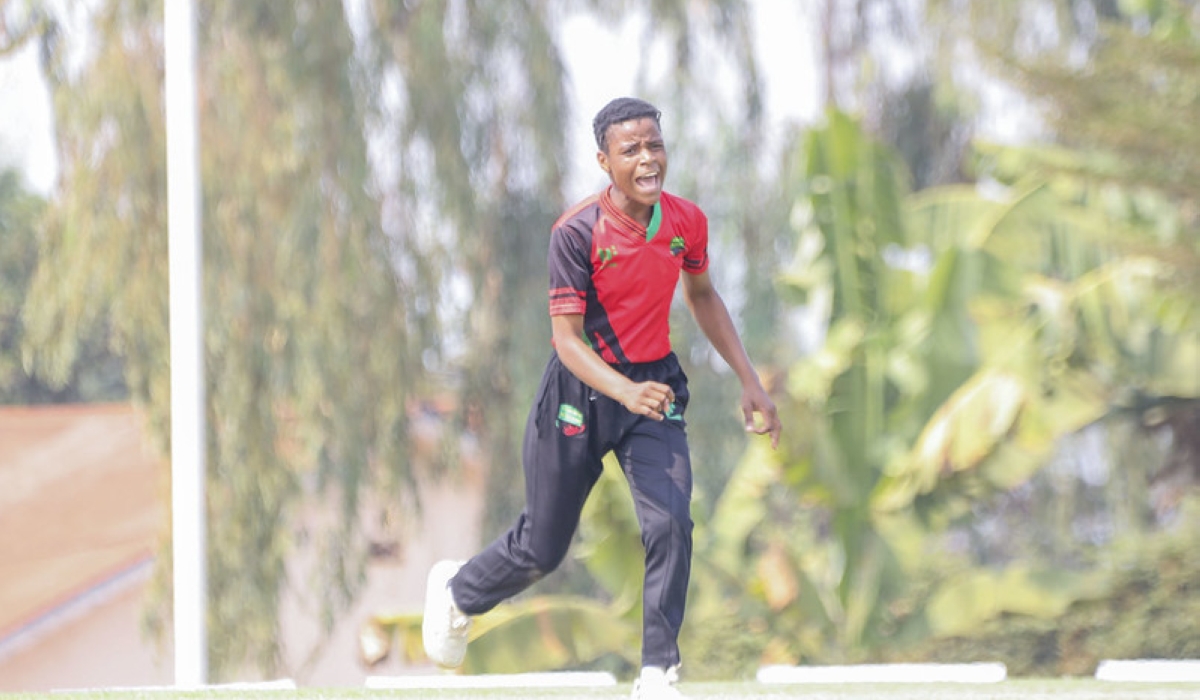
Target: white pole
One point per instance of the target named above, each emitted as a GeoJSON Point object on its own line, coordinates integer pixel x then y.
{"type": "Point", "coordinates": [187, 346]}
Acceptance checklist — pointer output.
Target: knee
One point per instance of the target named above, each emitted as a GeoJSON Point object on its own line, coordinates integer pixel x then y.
{"type": "Point", "coordinates": [544, 551]}
{"type": "Point", "coordinates": [668, 527]}
{"type": "Point", "coordinates": [548, 551]}
{"type": "Point", "coordinates": [547, 560]}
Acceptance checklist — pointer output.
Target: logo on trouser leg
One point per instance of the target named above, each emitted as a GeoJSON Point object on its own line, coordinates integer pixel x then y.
{"type": "Point", "coordinates": [570, 420]}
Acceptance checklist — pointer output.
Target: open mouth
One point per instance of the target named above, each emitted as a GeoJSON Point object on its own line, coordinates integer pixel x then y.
{"type": "Point", "coordinates": [647, 182]}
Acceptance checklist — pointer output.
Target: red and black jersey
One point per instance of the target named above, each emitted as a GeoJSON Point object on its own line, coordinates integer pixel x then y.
{"type": "Point", "coordinates": [621, 276]}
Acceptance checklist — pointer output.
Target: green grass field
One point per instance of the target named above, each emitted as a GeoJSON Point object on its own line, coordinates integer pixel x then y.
{"type": "Point", "coordinates": [1008, 690]}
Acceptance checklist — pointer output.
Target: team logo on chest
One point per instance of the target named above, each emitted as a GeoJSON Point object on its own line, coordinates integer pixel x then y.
{"type": "Point", "coordinates": [607, 257]}
{"type": "Point", "coordinates": [678, 245]}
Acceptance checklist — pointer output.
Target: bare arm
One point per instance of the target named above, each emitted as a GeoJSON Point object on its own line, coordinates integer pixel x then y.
{"type": "Point", "coordinates": [713, 318]}
{"type": "Point", "coordinates": [651, 399]}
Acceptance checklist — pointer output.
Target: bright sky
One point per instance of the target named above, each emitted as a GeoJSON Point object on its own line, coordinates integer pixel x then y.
{"type": "Point", "coordinates": [603, 63]}
{"type": "Point", "coordinates": [25, 136]}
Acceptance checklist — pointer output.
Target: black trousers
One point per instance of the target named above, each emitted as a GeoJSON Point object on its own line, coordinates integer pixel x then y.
{"type": "Point", "coordinates": [570, 429]}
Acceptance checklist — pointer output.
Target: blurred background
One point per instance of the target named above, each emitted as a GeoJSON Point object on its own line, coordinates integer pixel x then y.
{"type": "Point", "coordinates": [961, 239]}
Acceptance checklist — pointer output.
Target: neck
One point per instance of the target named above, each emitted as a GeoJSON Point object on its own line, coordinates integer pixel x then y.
{"type": "Point", "coordinates": [634, 210]}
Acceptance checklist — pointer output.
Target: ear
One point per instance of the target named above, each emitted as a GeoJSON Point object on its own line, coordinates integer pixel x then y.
{"type": "Point", "coordinates": [602, 159]}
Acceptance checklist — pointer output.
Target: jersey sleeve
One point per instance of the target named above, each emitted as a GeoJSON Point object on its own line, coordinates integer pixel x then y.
{"type": "Point", "coordinates": [695, 257]}
{"type": "Point", "coordinates": [570, 266]}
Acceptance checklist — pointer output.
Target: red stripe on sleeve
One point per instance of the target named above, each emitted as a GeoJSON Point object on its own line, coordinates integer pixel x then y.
{"type": "Point", "coordinates": [567, 300]}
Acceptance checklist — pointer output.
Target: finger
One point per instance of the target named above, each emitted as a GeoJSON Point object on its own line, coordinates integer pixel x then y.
{"type": "Point", "coordinates": [664, 397]}
{"type": "Point", "coordinates": [654, 409]}
{"type": "Point", "coordinates": [758, 422]}
{"type": "Point", "coordinates": [775, 426]}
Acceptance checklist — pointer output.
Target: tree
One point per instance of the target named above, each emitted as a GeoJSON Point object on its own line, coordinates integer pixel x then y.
{"type": "Point", "coordinates": [1100, 334]}
{"type": "Point", "coordinates": [25, 22]}
{"type": "Point", "coordinates": [307, 338]}
{"type": "Point", "coordinates": [968, 336]}
{"type": "Point", "coordinates": [823, 572]}
{"type": "Point", "coordinates": [99, 376]}
{"type": "Point", "coordinates": [931, 392]}
{"type": "Point", "coordinates": [1129, 113]}
{"type": "Point", "coordinates": [331, 273]}
{"type": "Point", "coordinates": [881, 61]}
{"type": "Point", "coordinates": [478, 129]}
{"type": "Point", "coordinates": [1111, 81]}
{"type": "Point", "coordinates": [18, 253]}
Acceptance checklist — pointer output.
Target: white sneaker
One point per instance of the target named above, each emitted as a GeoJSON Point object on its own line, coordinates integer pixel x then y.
{"type": "Point", "coordinates": [657, 684]}
{"type": "Point", "coordinates": [444, 628]}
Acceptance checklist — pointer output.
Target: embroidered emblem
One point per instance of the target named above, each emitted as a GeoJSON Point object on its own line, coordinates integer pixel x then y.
{"type": "Point", "coordinates": [607, 257]}
{"type": "Point", "coordinates": [678, 245]}
{"type": "Point", "coordinates": [570, 420]}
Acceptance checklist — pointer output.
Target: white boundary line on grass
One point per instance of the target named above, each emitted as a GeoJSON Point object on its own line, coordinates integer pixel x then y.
{"type": "Point", "coordinates": [1149, 671]}
{"type": "Point", "coordinates": [493, 680]}
{"type": "Point", "coordinates": [281, 684]}
{"type": "Point", "coordinates": [885, 673]}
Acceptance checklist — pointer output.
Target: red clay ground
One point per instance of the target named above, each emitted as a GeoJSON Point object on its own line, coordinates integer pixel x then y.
{"type": "Point", "coordinates": [82, 498]}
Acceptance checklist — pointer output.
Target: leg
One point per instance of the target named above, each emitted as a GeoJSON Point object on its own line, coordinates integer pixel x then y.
{"type": "Point", "coordinates": [655, 459]}
{"type": "Point", "coordinates": [560, 472]}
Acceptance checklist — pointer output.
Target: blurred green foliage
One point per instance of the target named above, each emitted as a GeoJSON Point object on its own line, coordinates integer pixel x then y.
{"type": "Point", "coordinates": [376, 200]}
{"type": "Point", "coordinates": [1145, 609]}
{"type": "Point", "coordinates": [98, 376]}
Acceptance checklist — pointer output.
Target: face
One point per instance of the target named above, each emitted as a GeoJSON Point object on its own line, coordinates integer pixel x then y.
{"type": "Point", "coordinates": [636, 162]}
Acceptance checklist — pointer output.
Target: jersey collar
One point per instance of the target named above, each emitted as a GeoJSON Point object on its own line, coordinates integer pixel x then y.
{"type": "Point", "coordinates": [627, 223]}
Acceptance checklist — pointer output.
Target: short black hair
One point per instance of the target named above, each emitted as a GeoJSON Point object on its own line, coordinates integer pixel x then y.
{"type": "Point", "coordinates": [620, 110]}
